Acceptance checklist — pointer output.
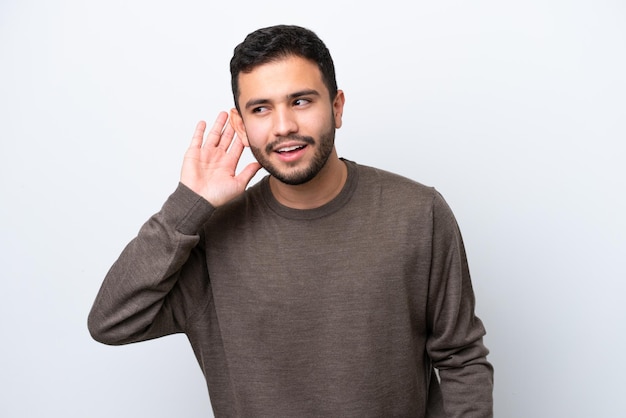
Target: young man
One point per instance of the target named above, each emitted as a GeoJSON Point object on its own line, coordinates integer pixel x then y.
{"type": "Point", "coordinates": [328, 289]}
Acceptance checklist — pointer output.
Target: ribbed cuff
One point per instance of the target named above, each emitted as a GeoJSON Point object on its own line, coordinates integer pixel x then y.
{"type": "Point", "coordinates": [190, 210]}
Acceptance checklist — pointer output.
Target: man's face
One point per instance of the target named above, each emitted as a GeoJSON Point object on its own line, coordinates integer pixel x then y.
{"type": "Point", "coordinates": [287, 118]}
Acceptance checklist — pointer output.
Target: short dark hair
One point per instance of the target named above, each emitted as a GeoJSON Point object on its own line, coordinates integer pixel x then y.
{"type": "Point", "coordinates": [277, 42]}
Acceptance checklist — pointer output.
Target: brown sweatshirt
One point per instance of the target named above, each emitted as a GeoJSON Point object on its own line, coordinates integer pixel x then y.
{"type": "Point", "coordinates": [338, 311]}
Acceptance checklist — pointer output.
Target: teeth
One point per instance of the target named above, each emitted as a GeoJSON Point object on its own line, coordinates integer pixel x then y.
{"type": "Point", "coordinates": [287, 149]}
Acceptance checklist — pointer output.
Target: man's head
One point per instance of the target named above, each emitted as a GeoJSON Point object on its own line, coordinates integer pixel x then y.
{"type": "Point", "coordinates": [287, 103]}
{"type": "Point", "coordinates": [278, 42]}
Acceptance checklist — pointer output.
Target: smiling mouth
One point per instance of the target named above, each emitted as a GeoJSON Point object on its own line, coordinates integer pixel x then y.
{"type": "Point", "coordinates": [287, 150]}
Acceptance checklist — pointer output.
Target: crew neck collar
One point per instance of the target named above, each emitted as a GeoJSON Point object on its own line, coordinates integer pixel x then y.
{"type": "Point", "coordinates": [307, 214]}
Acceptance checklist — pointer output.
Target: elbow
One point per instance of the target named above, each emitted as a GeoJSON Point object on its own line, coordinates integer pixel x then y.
{"type": "Point", "coordinates": [101, 332]}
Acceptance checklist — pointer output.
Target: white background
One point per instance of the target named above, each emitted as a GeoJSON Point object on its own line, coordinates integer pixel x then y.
{"type": "Point", "coordinates": [515, 111]}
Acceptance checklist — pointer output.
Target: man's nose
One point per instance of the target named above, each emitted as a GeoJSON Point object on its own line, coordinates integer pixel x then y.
{"type": "Point", "coordinates": [284, 122]}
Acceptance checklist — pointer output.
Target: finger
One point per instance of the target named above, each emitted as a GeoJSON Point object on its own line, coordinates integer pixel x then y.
{"type": "Point", "coordinates": [226, 139]}
{"type": "Point", "coordinates": [213, 138]}
{"type": "Point", "coordinates": [237, 147]}
{"type": "Point", "coordinates": [198, 135]}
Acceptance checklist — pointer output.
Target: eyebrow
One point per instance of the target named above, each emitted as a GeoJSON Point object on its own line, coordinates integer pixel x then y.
{"type": "Point", "coordinates": [256, 102]}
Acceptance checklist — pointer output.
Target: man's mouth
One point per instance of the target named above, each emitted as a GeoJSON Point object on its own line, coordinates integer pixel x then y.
{"type": "Point", "coordinates": [289, 144]}
{"type": "Point", "coordinates": [293, 148]}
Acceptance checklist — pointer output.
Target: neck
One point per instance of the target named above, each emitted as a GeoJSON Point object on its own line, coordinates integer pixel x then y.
{"type": "Point", "coordinates": [318, 191]}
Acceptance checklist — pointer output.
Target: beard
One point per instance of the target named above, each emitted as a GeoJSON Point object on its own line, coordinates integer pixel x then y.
{"type": "Point", "coordinates": [302, 175]}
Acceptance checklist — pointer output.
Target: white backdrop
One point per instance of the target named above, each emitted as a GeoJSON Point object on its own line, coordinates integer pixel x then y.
{"type": "Point", "coordinates": [515, 111]}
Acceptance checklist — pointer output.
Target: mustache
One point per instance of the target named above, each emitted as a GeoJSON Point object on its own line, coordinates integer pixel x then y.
{"type": "Point", "coordinates": [292, 137]}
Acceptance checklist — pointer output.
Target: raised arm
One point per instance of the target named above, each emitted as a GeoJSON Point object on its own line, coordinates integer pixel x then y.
{"type": "Point", "coordinates": [153, 286]}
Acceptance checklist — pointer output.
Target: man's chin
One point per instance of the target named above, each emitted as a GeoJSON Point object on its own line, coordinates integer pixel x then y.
{"type": "Point", "coordinates": [297, 178]}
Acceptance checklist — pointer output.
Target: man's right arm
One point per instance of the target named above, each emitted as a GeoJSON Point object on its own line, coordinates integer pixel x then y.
{"type": "Point", "coordinates": [141, 296]}
{"type": "Point", "coordinates": [150, 290]}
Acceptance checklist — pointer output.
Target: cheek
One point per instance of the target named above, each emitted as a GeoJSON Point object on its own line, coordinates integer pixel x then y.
{"type": "Point", "coordinates": [316, 124]}
{"type": "Point", "coordinates": [255, 133]}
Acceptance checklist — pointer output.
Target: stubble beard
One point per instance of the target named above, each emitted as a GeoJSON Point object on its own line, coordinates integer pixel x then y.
{"type": "Point", "coordinates": [303, 175]}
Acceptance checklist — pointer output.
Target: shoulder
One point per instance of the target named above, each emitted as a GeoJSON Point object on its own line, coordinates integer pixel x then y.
{"type": "Point", "coordinates": [394, 186]}
{"type": "Point", "coordinates": [399, 194]}
{"type": "Point", "coordinates": [405, 198]}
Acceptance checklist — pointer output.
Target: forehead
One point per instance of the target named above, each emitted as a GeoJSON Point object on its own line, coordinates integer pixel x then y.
{"type": "Point", "coordinates": [279, 78]}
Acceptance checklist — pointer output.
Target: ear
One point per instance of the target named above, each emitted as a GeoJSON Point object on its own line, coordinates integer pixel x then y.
{"type": "Point", "coordinates": [338, 103]}
{"type": "Point", "coordinates": [237, 122]}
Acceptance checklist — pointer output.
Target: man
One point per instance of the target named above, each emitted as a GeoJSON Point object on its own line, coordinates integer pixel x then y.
{"type": "Point", "coordinates": [328, 289]}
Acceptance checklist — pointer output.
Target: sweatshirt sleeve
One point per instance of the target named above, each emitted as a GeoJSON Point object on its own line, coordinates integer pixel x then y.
{"type": "Point", "coordinates": [455, 343]}
{"type": "Point", "coordinates": [156, 282]}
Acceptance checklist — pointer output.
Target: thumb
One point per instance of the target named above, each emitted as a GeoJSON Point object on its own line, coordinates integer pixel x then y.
{"type": "Point", "coordinates": [248, 172]}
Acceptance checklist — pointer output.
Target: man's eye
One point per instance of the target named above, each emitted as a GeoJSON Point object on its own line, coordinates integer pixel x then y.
{"type": "Point", "coordinates": [301, 102]}
{"type": "Point", "coordinates": [259, 109]}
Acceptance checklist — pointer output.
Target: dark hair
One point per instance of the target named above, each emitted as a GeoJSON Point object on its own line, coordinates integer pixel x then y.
{"type": "Point", "coordinates": [277, 42]}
